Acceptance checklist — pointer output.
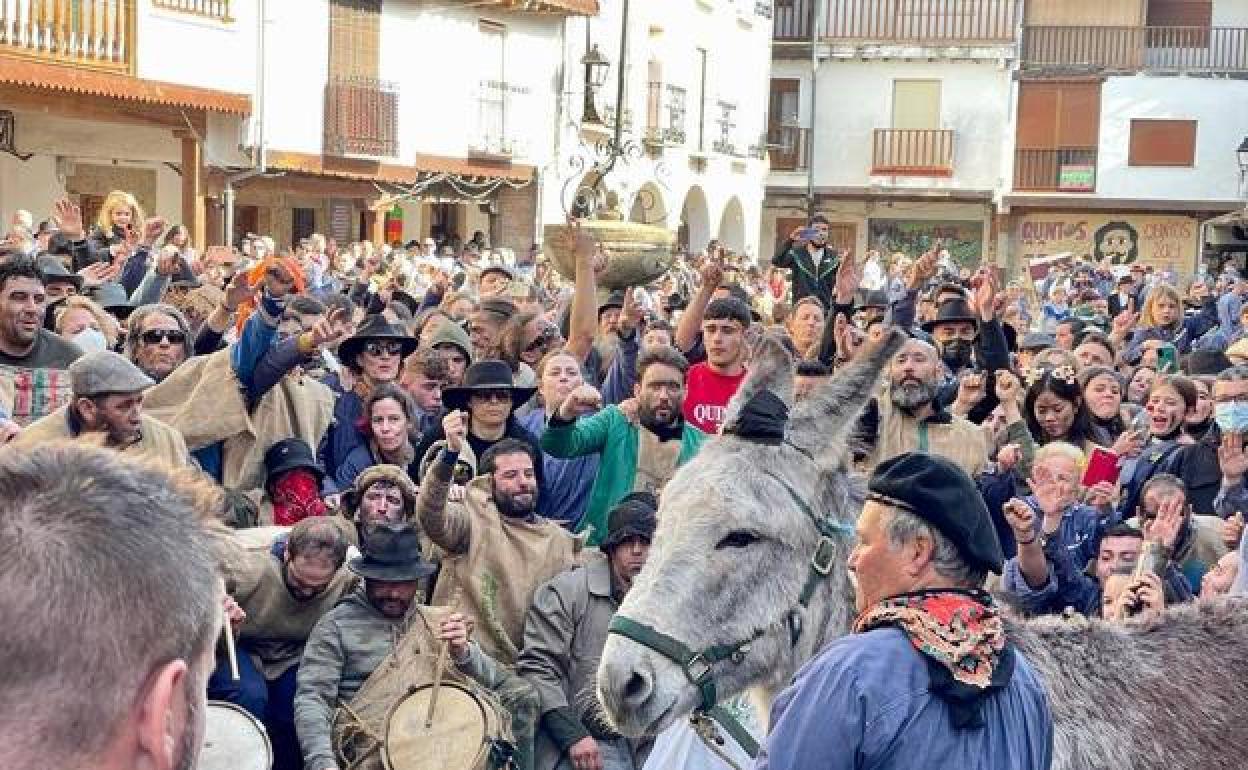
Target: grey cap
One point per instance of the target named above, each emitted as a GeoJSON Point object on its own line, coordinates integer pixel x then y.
{"type": "Point", "coordinates": [1037, 341]}
{"type": "Point", "coordinates": [104, 372]}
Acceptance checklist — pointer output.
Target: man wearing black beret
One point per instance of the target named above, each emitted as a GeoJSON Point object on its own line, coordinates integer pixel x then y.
{"type": "Point", "coordinates": [928, 678]}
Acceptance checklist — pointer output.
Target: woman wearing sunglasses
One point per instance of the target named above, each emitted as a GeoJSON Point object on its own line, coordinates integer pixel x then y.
{"type": "Point", "coordinates": [374, 357]}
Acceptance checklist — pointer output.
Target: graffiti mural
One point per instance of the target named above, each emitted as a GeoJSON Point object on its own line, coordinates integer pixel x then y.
{"type": "Point", "coordinates": [1165, 242]}
{"type": "Point", "coordinates": [964, 240]}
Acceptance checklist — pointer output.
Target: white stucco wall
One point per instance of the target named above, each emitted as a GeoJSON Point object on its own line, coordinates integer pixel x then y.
{"type": "Point", "coordinates": [1230, 13]}
{"type": "Point", "coordinates": [856, 97]}
{"type": "Point", "coordinates": [1220, 108]}
{"type": "Point", "coordinates": [182, 48]}
{"type": "Point", "coordinates": [738, 46]}
{"type": "Point", "coordinates": [298, 67]}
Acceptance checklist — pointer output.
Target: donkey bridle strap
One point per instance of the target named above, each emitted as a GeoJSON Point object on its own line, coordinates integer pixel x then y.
{"type": "Point", "coordinates": [698, 666]}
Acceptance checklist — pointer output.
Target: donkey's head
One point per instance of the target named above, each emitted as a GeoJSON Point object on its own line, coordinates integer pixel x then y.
{"type": "Point", "coordinates": [733, 551]}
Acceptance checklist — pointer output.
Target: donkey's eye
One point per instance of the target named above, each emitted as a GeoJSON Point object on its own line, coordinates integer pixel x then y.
{"type": "Point", "coordinates": [738, 539]}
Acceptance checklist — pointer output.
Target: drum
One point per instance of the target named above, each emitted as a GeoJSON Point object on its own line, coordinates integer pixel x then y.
{"type": "Point", "coordinates": [234, 740]}
{"type": "Point", "coordinates": [466, 732]}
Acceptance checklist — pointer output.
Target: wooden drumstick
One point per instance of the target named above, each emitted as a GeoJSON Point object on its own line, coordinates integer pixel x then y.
{"type": "Point", "coordinates": [230, 652]}
{"type": "Point", "coordinates": [443, 652]}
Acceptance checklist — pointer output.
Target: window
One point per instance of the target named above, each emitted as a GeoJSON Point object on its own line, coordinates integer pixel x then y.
{"type": "Point", "coordinates": [916, 104]}
{"type": "Point", "coordinates": [1162, 143]}
{"type": "Point", "coordinates": [492, 101]}
{"type": "Point", "coordinates": [302, 223]}
{"type": "Point", "coordinates": [1058, 133]}
{"type": "Point", "coordinates": [1179, 13]}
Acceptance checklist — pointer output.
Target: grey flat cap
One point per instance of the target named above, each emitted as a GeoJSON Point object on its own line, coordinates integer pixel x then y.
{"type": "Point", "coordinates": [106, 372]}
{"type": "Point", "coordinates": [1037, 341]}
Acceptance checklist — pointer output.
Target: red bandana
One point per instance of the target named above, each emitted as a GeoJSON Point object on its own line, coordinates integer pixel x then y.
{"type": "Point", "coordinates": [296, 496]}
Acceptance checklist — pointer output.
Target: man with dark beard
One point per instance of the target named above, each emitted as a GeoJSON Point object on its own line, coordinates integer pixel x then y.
{"type": "Point", "coordinates": [909, 416]}
{"type": "Point", "coordinates": [498, 549]}
{"type": "Point", "coordinates": [635, 457]}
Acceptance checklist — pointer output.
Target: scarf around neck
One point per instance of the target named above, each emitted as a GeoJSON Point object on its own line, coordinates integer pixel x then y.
{"type": "Point", "coordinates": [962, 639]}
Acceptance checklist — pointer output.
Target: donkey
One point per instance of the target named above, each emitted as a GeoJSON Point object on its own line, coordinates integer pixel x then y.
{"type": "Point", "coordinates": [733, 554]}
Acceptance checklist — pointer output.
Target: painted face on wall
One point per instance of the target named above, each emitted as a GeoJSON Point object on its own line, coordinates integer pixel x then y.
{"type": "Point", "coordinates": [1116, 243]}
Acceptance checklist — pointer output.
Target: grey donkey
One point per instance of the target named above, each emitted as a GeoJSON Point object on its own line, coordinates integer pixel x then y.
{"type": "Point", "coordinates": [733, 551]}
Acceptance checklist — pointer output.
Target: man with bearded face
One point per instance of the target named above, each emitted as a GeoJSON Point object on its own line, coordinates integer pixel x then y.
{"type": "Point", "coordinates": [498, 549]}
{"type": "Point", "coordinates": [107, 403]}
{"type": "Point", "coordinates": [283, 591]}
{"type": "Point", "coordinates": [910, 416]}
{"type": "Point", "coordinates": [635, 457]}
{"type": "Point", "coordinates": [352, 640]}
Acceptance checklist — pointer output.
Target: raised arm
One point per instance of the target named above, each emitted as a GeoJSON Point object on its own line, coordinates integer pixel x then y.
{"type": "Point", "coordinates": [583, 317]}
{"type": "Point", "coordinates": [690, 325]}
{"type": "Point", "coordinates": [448, 527]}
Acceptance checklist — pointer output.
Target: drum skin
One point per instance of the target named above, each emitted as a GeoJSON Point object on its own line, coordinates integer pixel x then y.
{"type": "Point", "coordinates": [458, 739]}
{"type": "Point", "coordinates": [234, 740]}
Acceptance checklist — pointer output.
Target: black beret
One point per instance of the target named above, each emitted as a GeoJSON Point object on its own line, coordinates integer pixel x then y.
{"type": "Point", "coordinates": [940, 493]}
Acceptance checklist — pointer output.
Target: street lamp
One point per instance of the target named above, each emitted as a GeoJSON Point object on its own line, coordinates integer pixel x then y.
{"type": "Point", "coordinates": [596, 66]}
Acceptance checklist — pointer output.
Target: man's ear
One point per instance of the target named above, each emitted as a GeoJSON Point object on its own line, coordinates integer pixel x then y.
{"type": "Point", "coordinates": [920, 554]}
{"type": "Point", "coordinates": [86, 410]}
{"type": "Point", "coordinates": [163, 717]}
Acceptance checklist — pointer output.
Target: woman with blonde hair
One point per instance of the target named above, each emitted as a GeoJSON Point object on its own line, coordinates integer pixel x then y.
{"type": "Point", "coordinates": [1162, 319]}
{"type": "Point", "coordinates": [82, 321]}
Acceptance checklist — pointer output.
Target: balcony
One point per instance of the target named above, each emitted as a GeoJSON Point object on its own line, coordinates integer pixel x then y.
{"type": "Point", "coordinates": [918, 22]}
{"type": "Point", "coordinates": [361, 117]}
{"type": "Point", "coordinates": [1055, 169]}
{"type": "Point", "coordinates": [208, 9]}
{"type": "Point", "coordinates": [789, 148]}
{"type": "Point", "coordinates": [93, 34]}
{"type": "Point", "coordinates": [665, 115]}
{"type": "Point", "coordinates": [912, 152]}
{"type": "Point", "coordinates": [1136, 49]}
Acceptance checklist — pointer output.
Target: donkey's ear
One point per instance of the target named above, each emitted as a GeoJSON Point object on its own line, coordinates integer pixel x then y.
{"type": "Point", "coordinates": [825, 419]}
{"type": "Point", "coordinates": [771, 368]}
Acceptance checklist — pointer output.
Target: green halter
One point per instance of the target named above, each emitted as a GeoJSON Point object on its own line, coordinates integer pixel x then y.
{"type": "Point", "coordinates": [698, 667]}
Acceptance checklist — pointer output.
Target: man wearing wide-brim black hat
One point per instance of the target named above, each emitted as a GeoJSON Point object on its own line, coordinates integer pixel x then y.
{"type": "Point", "coordinates": [970, 335]}
{"type": "Point", "coordinates": [373, 355]}
{"type": "Point", "coordinates": [487, 401]}
{"type": "Point", "coordinates": [929, 669]}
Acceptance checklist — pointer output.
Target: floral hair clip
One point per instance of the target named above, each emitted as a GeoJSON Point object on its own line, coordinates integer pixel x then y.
{"type": "Point", "coordinates": [1064, 373]}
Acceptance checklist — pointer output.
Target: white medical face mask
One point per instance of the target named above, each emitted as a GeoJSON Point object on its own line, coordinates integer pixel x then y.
{"type": "Point", "coordinates": [90, 340]}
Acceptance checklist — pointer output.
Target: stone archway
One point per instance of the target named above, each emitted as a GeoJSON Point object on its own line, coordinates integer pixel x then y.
{"type": "Point", "coordinates": [732, 226]}
{"type": "Point", "coordinates": [695, 221]}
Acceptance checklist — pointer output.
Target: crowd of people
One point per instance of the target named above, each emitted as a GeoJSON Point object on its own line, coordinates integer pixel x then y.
{"type": "Point", "coordinates": [398, 430]}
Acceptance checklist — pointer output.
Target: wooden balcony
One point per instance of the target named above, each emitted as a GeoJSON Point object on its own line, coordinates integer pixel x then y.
{"type": "Point", "coordinates": [789, 148]}
{"type": "Point", "coordinates": [912, 152]}
{"type": "Point", "coordinates": [1055, 169]}
{"type": "Point", "coordinates": [94, 34]}
{"type": "Point", "coordinates": [361, 117]}
{"type": "Point", "coordinates": [209, 9]}
{"type": "Point", "coordinates": [921, 22]}
{"type": "Point", "coordinates": [1135, 49]}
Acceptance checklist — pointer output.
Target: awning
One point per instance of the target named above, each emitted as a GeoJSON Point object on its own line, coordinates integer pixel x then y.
{"type": "Point", "coordinates": [54, 77]}
{"type": "Point", "coordinates": [350, 168]}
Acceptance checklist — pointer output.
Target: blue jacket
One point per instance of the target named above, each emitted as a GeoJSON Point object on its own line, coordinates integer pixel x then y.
{"type": "Point", "coordinates": [864, 704]}
{"type": "Point", "coordinates": [1181, 335]}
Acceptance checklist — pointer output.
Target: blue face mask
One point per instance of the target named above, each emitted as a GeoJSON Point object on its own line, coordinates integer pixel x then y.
{"type": "Point", "coordinates": [1231, 418]}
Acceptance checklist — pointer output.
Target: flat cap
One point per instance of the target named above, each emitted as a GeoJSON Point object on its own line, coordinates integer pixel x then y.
{"type": "Point", "coordinates": [942, 494]}
{"type": "Point", "coordinates": [1037, 341]}
{"type": "Point", "coordinates": [104, 372]}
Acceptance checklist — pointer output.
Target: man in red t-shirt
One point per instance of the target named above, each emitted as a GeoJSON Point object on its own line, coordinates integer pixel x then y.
{"type": "Point", "coordinates": [712, 383]}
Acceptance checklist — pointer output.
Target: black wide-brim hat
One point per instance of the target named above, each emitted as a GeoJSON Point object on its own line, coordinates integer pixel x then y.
{"type": "Point", "coordinates": [375, 327]}
{"type": "Point", "coordinates": [288, 455]}
{"type": "Point", "coordinates": [391, 553]}
{"type": "Point", "coordinates": [53, 271]}
{"type": "Point", "coordinates": [113, 298]}
{"type": "Point", "coordinates": [952, 311]}
{"type": "Point", "coordinates": [486, 375]}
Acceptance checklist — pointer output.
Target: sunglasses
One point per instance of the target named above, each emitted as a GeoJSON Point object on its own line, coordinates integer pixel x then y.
{"type": "Point", "coordinates": [383, 348]}
{"type": "Point", "coordinates": [493, 395]}
{"type": "Point", "coordinates": [154, 336]}
{"type": "Point", "coordinates": [546, 336]}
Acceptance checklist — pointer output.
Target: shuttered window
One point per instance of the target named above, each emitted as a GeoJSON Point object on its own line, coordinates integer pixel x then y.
{"type": "Point", "coordinates": [1054, 115]}
{"type": "Point", "coordinates": [916, 104]}
{"type": "Point", "coordinates": [1163, 143]}
{"type": "Point", "coordinates": [354, 38]}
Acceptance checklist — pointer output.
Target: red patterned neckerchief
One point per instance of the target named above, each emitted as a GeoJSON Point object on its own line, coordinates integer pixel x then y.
{"type": "Point", "coordinates": [960, 635]}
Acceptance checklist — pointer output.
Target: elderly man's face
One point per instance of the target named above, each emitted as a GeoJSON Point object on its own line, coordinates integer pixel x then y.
{"type": "Point", "coordinates": [161, 345]}
{"type": "Point", "coordinates": [117, 415]}
{"type": "Point", "coordinates": [877, 568]}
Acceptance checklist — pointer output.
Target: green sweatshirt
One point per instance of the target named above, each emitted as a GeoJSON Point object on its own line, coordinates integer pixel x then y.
{"type": "Point", "coordinates": [610, 434]}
